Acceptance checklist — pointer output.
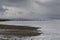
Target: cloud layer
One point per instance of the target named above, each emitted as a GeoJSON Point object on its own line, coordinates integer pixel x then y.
{"type": "Point", "coordinates": [30, 9]}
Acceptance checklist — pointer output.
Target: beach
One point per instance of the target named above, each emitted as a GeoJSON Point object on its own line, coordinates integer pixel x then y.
{"type": "Point", "coordinates": [49, 29]}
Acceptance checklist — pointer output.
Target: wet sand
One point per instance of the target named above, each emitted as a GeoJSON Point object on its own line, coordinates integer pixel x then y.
{"type": "Point", "coordinates": [19, 30]}
{"type": "Point", "coordinates": [18, 27]}
{"type": "Point", "coordinates": [50, 29]}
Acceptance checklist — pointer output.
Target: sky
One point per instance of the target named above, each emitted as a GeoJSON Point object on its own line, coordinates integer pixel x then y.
{"type": "Point", "coordinates": [30, 9]}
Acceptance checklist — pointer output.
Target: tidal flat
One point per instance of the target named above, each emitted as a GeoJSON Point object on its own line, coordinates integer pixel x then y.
{"type": "Point", "coordinates": [50, 30]}
{"type": "Point", "coordinates": [19, 30]}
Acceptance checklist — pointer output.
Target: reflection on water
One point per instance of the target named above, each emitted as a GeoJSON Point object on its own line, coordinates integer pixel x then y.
{"type": "Point", "coordinates": [10, 34]}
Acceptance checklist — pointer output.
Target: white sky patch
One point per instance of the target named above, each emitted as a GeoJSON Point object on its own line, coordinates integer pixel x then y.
{"type": "Point", "coordinates": [44, 1]}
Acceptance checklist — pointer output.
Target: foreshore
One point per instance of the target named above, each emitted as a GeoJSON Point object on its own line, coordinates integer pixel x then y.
{"type": "Point", "coordinates": [18, 30]}
{"type": "Point", "coordinates": [2, 26]}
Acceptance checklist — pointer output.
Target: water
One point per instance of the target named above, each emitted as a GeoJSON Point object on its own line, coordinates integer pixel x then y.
{"type": "Point", "coordinates": [50, 30]}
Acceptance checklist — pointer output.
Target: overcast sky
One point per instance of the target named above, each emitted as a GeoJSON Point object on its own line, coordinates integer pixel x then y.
{"type": "Point", "coordinates": [30, 9]}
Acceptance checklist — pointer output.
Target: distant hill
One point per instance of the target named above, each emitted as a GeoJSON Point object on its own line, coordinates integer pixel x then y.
{"type": "Point", "coordinates": [16, 20]}
{"type": "Point", "coordinates": [4, 19]}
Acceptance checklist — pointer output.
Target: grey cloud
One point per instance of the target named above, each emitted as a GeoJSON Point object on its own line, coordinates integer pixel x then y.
{"type": "Point", "coordinates": [44, 11]}
{"type": "Point", "coordinates": [16, 1]}
{"type": "Point", "coordinates": [2, 9]}
{"type": "Point", "coordinates": [54, 8]}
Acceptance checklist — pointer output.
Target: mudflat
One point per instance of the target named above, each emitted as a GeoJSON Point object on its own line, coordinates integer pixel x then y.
{"type": "Point", "coordinates": [18, 27]}
{"type": "Point", "coordinates": [18, 30]}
